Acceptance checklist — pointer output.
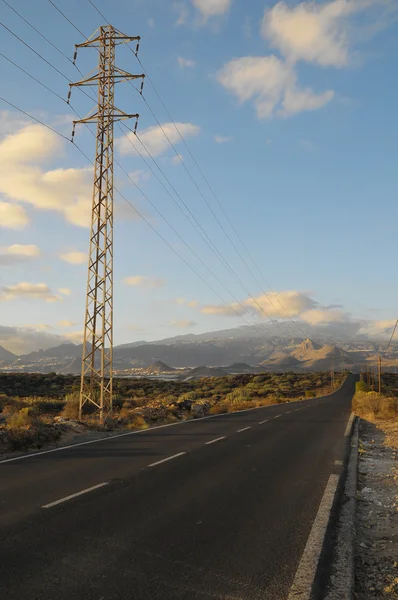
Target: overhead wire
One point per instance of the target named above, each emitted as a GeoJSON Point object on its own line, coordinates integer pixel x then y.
{"type": "Point", "coordinates": [83, 35]}
{"type": "Point", "coordinates": [141, 215]}
{"type": "Point", "coordinates": [196, 224]}
{"type": "Point", "coordinates": [212, 192]}
{"type": "Point", "coordinates": [101, 14]}
{"type": "Point", "coordinates": [392, 335]}
{"type": "Point", "coordinates": [198, 189]}
{"type": "Point", "coordinates": [37, 31]}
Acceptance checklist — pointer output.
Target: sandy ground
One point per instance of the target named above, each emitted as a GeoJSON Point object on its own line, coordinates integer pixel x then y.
{"type": "Point", "coordinates": [377, 512]}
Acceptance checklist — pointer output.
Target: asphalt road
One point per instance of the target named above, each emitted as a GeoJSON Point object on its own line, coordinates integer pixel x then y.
{"type": "Point", "coordinates": [224, 519]}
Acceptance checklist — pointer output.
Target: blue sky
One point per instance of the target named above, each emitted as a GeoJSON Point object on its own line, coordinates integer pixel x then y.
{"type": "Point", "coordinates": [289, 109]}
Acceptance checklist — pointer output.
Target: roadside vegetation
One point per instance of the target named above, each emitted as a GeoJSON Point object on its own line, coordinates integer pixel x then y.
{"type": "Point", "coordinates": [371, 405]}
{"type": "Point", "coordinates": [37, 409]}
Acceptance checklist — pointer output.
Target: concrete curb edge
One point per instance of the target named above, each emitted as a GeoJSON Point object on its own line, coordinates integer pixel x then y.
{"type": "Point", "coordinates": [342, 580]}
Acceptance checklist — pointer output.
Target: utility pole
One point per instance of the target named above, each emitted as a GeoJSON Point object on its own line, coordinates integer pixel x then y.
{"type": "Point", "coordinates": [96, 378]}
{"type": "Point", "coordinates": [379, 365]}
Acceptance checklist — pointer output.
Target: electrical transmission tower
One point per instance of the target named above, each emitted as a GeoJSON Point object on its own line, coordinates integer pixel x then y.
{"type": "Point", "coordinates": [96, 378]}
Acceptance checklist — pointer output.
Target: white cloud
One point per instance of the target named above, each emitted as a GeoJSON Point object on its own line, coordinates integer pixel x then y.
{"type": "Point", "coordinates": [180, 301]}
{"type": "Point", "coordinates": [144, 281]}
{"type": "Point", "coordinates": [193, 303]}
{"type": "Point", "coordinates": [65, 291]}
{"type": "Point", "coordinates": [74, 257]}
{"type": "Point", "coordinates": [290, 304]}
{"type": "Point", "coordinates": [26, 290]}
{"type": "Point", "coordinates": [138, 176]}
{"type": "Point", "coordinates": [23, 250]}
{"type": "Point", "coordinates": [12, 216]}
{"type": "Point", "coordinates": [21, 340]}
{"type": "Point", "coordinates": [271, 84]}
{"type": "Point", "coordinates": [76, 337]}
{"type": "Point", "coordinates": [310, 31]}
{"type": "Point", "coordinates": [177, 159]}
{"type": "Point", "coordinates": [66, 323]}
{"type": "Point", "coordinates": [151, 23]}
{"type": "Point", "coordinates": [155, 139]}
{"type": "Point", "coordinates": [67, 191]}
{"type": "Point", "coordinates": [183, 324]}
{"type": "Point", "coordinates": [18, 253]}
{"type": "Point", "coordinates": [322, 316]}
{"type": "Point", "coordinates": [136, 328]}
{"type": "Point", "coordinates": [185, 62]}
{"type": "Point", "coordinates": [212, 8]}
{"type": "Point", "coordinates": [377, 329]}
{"type": "Point", "coordinates": [182, 11]}
{"type": "Point", "coordinates": [220, 139]}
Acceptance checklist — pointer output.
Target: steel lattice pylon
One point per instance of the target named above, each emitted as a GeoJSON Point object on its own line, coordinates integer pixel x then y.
{"type": "Point", "coordinates": [96, 378]}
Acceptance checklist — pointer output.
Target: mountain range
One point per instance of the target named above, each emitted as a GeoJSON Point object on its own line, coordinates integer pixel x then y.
{"type": "Point", "coordinates": [242, 348]}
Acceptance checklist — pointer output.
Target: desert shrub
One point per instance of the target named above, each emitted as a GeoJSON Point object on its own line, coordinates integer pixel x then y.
{"type": "Point", "coordinates": [370, 405]}
{"type": "Point", "coordinates": [71, 408]}
{"type": "Point", "coordinates": [137, 422]}
{"type": "Point", "coordinates": [171, 418]}
{"type": "Point", "coordinates": [9, 409]}
{"type": "Point", "coordinates": [21, 418]}
{"type": "Point", "coordinates": [189, 396]}
{"type": "Point", "coordinates": [236, 406]}
{"type": "Point", "coordinates": [218, 409]}
{"type": "Point", "coordinates": [361, 386]}
{"type": "Point", "coordinates": [237, 396]}
{"type": "Point", "coordinates": [125, 412]}
{"type": "Point", "coordinates": [310, 394]}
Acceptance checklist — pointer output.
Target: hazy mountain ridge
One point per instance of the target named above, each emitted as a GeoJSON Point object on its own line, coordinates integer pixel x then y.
{"type": "Point", "coordinates": [253, 348]}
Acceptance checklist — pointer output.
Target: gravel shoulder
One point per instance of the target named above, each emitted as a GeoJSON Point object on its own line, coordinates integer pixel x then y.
{"type": "Point", "coordinates": [377, 512]}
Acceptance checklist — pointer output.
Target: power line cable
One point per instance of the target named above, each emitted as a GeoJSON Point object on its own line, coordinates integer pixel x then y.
{"type": "Point", "coordinates": [32, 77]}
{"type": "Point", "coordinates": [222, 258]}
{"type": "Point", "coordinates": [37, 31]}
{"type": "Point", "coordinates": [212, 191]}
{"type": "Point", "coordinates": [33, 50]}
{"type": "Point", "coordinates": [198, 227]}
{"type": "Point", "coordinates": [207, 182]}
{"type": "Point", "coordinates": [34, 118]}
{"type": "Point", "coordinates": [392, 335]}
{"type": "Point", "coordinates": [134, 208]}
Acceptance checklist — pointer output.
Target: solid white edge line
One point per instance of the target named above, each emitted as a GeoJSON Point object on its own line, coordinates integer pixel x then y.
{"type": "Point", "coordinates": [159, 462]}
{"type": "Point", "coordinates": [349, 425]}
{"type": "Point", "coordinates": [90, 489]}
{"type": "Point", "coordinates": [216, 440]}
{"type": "Point", "coordinates": [262, 422]}
{"type": "Point", "coordinates": [244, 429]}
{"type": "Point", "coordinates": [305, 574]}
{"type": "Point", "coordinates": [119, 435]}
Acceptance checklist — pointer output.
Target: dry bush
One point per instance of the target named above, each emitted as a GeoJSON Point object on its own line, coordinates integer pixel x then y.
{"type": "Point", "coordinates": [218, 409]}
{"type": "Point", "coordinates": [71, 408]}
{"type": "Point", "coordinates": [137, 422]}
{"type": "Point", "coordinates": [372, 406]}
{"type": "Point", "coordinates": [171, 418]}
{"type": "Point", "coordinates": [25, 430]}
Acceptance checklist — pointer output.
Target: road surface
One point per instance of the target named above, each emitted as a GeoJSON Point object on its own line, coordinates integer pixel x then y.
{"type": "Point", "coordinates": [217, 508]}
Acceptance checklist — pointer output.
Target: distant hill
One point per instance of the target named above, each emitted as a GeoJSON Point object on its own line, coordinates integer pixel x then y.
{"type": "Point", "coordinates": [245, 349]}
{"type": "Point", "coordinates": [6, 356]}
{"type": "Point", "coordinates": [159, 367]}
{"type": "Point", "coordinates": [305, 350]}
{"type": "Point", "coordinates": [62, 351]}
{"type": "Point", "coordinates": [204, 372]}
{"type": "Point", "coordinates": [280, 360]}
